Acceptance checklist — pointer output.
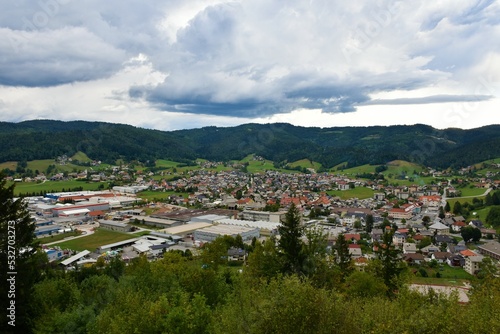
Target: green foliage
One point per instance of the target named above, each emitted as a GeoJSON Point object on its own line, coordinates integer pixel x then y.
{"type": "Point", "coordinates": [388, 266]}
{"type": "Point", "coordinates": [290, 245]}
{"type": "Point", "coordinates": [348, 146]}
{"type": "Point", "coordinates": [470, 233]}
{"type": "Point", "coordinates": [493, 217]}
{"type": "Point", "coordinates": [19, 252]}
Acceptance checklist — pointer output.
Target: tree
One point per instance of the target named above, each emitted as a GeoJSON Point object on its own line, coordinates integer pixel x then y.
{"type": "Point", "coordinates": [290, 243]}
{"type": "Point", "coordinates": [343, 257]}
{"type": "Point", "coordinates": [441, 212]}
{"type": "Point", "coordinates": [493, 217]}
{"type": "Point", "coordinates": [447, 207]}
{"type": "Point", "coordinates": [457, 208]}
{"type": "Point", "coordinates": [314, 250]}
{"type": "Point", "coordinates": [18, 254]}
{"type": "Point", "coordinates": [388, 265]}
{"type": "Point", "coordinates": [470, 233]}
{"type": "Point", "coordinates": [369, 223]}
{"type": "Point", "coordinates": [426, 241]}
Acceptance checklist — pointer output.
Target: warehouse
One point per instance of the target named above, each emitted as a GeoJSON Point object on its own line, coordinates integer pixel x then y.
{"type": "Point", "coordinates": [115, 226]}
{"type": "Point", "coordinates": [185, 230]}
{"type": "Point", "coordinates": [213, 232]}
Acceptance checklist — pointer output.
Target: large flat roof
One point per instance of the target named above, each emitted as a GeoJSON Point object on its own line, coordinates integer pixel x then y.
{"type": "Point", "coordinates": [75, 257]}
{"type": "Point", "coordinates": [112, 223]}
{"type": "Point", "coordinates": [223, 229]}
{"type": "Point", "coordinates": [186, 228]}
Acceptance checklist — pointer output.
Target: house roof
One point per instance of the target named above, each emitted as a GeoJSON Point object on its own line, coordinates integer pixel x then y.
{"type": "Point", "coordinates": [438, 226]}
{"type": "Point", "coordinates": [467, 253]}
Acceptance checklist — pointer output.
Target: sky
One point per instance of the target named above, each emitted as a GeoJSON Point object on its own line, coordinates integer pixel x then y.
{"type": "Point", "coordinates": [180, 64]}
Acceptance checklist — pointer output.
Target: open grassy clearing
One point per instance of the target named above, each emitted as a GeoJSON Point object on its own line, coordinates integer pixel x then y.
{"type": "Point", "coordinates": [150, 195]}
{"type": "Point", "coordinates": [58, 236]}
{"type": "Point", "coordinates": [55, 186]}
{"type": "Point", "coordinates": [358, 170]}
{"type": "Point", "coordinates": [450, 276]}
{"type": "Point", "coordinates": [467, 191]}
{"type": "Point", "coordinates": [98, 238]}
{"type": "Point", "coordinates": [452, 201]}
{"type": "Point", "coordinates": [306, 163]}
{"type": "Point", "coordinates": [166, 163]}
{"type": "Point", "coordinates": [12, 165]}
{"type": "Point", "coordinates": [80, 156]}
{"type": "Point", "coordinates": [358, 192]}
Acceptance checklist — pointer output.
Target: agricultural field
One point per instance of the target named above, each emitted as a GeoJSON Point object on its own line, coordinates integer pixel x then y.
{"type": "Point", "coordinates": [80, 156]}
{"type": "Point", "coordinates": [306, 163]}
{"type": "Point", "coordinates": [54, 186]}
{"type": "Point", "coordinates": [358, 192]}
{"type": "Point", "coordinates": [450, 276]}
{"type": "Point", "coordinates": [12, 165]}
{"type": "Point", "coordinates": [357, 170]}
{"type": "Point", "coordinates": [58, 236]}
{"type": "Point", "coordinates": [452, 201]}
{"type": "Point", "coordinates": [468, 191]}
{"type": "Point", "coordinates": [98, 238]}
{"type": "Point", "coordinates": [149, 195]}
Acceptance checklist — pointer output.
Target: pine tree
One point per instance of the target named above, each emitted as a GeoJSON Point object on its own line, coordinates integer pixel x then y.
{"type": "Point", "coordinates": [343, 258]}
{"type": "Point", "coordinates": [389, 266]}
{"type": "Point", "coordinates": [369, 223]}
{"type": "Point", "coordinates": [290, 243]}
{"type": "Point", "coordinates": [19, 261]}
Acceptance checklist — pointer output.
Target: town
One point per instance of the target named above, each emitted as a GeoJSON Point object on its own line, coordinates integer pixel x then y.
{"type": "Point", "coordinates": [205, 204]}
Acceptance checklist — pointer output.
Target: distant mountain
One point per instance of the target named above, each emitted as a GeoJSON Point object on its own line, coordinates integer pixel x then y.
{"type": "Point", "coordinates": [45, 139]}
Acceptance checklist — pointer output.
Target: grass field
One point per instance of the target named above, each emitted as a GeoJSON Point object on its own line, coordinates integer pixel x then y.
{"type": "Point", "coordinates": [57, 237]}
{"type": "Point", "coordinates": [467, 191]}
{"type": "Point", "coordinates": [449, 276]}
{"type": "Point", "coordinates": [80, 156]}
{"type": "Point", "coordinates": [452, 201]}
{"type": "Point", "coordinates": [306, 163]}
{"type": "Point", "coordinates": [166, 163]}
{"type": "Point", "coordinates": [359, 192]}
{"type": "Point", "coordinates": [359, 170]}
{"type": "Point", "coordinates": [158, 195]}
{"type": "Point", "coordinates": [54, 186]}
{"type": "Point", "coordinates": [98, 238]}
{"type": "Point", "coordinates": [12, 165]}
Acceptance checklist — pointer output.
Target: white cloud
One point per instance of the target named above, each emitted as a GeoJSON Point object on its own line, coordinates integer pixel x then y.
{"type": "Point", "coordinates": [179, 64]}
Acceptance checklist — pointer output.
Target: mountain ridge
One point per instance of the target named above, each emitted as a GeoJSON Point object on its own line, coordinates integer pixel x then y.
{"type": "Point", "coordinates": [279, 142]}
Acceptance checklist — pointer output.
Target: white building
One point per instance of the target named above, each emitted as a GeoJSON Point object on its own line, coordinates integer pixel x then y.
{"type": "Point", "coordinates": [213, 232]}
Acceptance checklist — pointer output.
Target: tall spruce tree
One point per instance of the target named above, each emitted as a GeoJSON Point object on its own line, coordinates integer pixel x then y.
{"type": "Point", "coordinates": [290, 244]}
{"type": "Point", "coordinates": [20, 262]}
{"type": "Point", "coordinates": [388, 264]}
{"type": "Point", "coordinates": [343, 257]}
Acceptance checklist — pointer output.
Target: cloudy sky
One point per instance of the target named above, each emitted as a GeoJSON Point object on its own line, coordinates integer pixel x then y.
{"type": "Point", "coordinates": [180, 64]}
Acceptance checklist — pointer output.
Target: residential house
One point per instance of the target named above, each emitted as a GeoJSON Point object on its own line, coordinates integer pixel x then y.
{"type": "Point", "coordinates": [414, 258]}
{"type": "Point", "coordinates": [398, 238]}
{"type": "Point", "coordinates": [440, 257]}
{"type": "Point", "coordinates": [455, 260]}
{"type": "Point", "coordinates": [409, 248]}
{"type": "Point", "coordinates": [457, 226]}
{"type": "Point", "coordinates": [472, 264]}
{"type": "Point", "coordinates": [355, 251]}
{"type": "Point", "coordinates": [439, 228]}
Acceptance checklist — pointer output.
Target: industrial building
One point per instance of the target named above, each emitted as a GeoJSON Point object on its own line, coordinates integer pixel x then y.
{"type": "Point", "coordinates": [69, 209]}
{"type": "Point", "coordinates": [185, 230]}
{"type": "Point", "coordinates": [115, 226]}
{"type": "Point", "coordinates": [211, 233]}
{"type": "Point", "coordinates": [275, 217]}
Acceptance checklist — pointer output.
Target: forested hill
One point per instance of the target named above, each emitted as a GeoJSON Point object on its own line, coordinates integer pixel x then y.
{"type": "Point", "coordinates": [46, 139]}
